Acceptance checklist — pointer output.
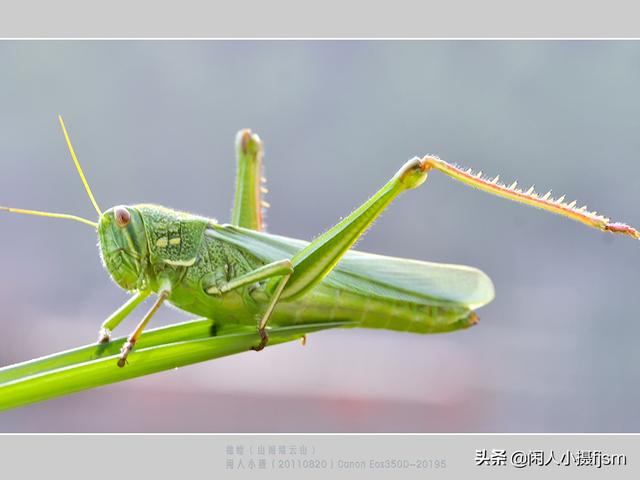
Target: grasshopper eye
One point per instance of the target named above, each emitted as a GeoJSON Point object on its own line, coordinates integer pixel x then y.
{"type": "Point", "coordinates": [122, 216]}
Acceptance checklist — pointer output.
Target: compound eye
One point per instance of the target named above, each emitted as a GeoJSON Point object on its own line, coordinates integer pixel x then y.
{"type": "Point", "coordinates": [122, 216]}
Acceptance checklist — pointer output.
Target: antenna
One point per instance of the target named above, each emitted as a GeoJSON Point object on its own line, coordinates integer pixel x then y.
{"type": "Point", "coordinates": [78, 167]}
{"type": "Point", "coordinates": [50, 214]}
{"type": "Point", "coordinates": [66, 216]}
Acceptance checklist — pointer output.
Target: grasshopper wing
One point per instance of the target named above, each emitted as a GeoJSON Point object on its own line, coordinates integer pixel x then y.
{"type": "Point", "coordinates": [380, 276]}
{"type": "Point", "coordinates": [413, 280]}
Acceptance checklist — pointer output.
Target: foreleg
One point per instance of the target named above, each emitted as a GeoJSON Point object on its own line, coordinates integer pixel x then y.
{"type": "Point", "coordinates": [119, 315]}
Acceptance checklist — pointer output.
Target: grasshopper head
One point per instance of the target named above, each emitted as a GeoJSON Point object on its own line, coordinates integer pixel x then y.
{"type": "Point", "coordinates": [123, 245]}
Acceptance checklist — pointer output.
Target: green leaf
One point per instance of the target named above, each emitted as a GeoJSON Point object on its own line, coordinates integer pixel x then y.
{"type": "Point", "coordinates": [157, 350]}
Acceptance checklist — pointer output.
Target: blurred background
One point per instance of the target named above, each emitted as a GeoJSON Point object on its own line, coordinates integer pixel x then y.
{"type": "Point", "coordinates": [154, 121]}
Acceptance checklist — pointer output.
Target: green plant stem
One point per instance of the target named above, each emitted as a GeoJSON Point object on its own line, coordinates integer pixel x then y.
{"type": "Point", "coordinates": [157, 350]}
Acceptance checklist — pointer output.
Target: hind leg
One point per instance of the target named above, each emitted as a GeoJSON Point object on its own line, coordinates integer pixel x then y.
{"type": "Point", "coordinates": [311, 264]}
{"type": "Point", "coordinates": [248, 203]}
{"type": "Point", "coordinates": [316, 260]}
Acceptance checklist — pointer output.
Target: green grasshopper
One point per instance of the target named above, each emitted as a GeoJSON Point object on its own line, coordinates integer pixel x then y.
{"type": "Point", "coordinates": [238, 274]}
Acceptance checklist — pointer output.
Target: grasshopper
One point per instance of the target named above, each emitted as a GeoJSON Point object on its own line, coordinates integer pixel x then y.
{"type": "Point", "coordinates": [238, 274]}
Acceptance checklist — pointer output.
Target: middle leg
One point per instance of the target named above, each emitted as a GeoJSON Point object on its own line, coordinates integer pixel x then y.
{"type": "Point", "coordinates": [280, 270]}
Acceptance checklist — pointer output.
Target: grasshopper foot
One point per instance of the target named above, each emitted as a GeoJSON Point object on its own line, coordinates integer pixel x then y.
{"type": "Point", "coordinates": [264, 339]}
{"type": "Point", "coordinates": [124, 353]}
{"type": "Point", "coordinates": [104, 336]}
